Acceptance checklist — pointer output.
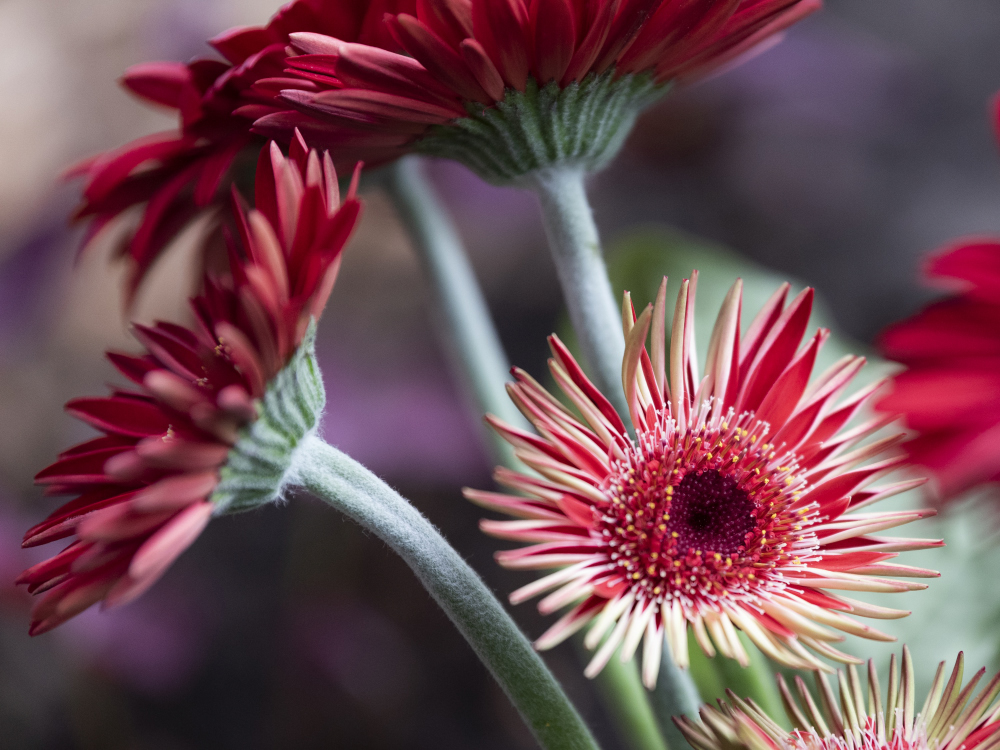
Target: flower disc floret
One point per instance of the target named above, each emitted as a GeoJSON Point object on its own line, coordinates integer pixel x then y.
{"type": "Point", "coordinates": [707, 515]}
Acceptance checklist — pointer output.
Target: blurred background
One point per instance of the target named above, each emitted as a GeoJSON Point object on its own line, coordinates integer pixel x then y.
{"type": "Point", "coordinates": [838, 158]}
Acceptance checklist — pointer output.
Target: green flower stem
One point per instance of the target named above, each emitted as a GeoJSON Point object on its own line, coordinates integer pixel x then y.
{"type": "Point", "coordinates": [471, 336]}
{"type": "Point", "coordinates": [596, 318]}
{"type": "Point", "coordinates": [350, 488]}
{"type": "Point", "coordinates": [627, 700]}
{"type": "Point", "coordinates": [478, 355]}
{"type": "Point", "coordinates": [576, 249]}
{"type": "Point", "coordinates": [675, 694]}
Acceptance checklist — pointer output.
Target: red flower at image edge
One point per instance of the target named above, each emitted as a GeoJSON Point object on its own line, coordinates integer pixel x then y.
{"type": "Point", "coordinates": [741, 504]}
{"type": "Point", "coordinates": [143, 489]}
{"type": "Point", "coordinates": [180, 173]}
{"type": "Point", "coordinates": [950, 391]}
{"type": "Point", "coordinates": [456, 54]}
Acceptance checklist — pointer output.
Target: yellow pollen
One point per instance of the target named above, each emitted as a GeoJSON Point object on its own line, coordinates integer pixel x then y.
{"type": "Point", "coordinates": [651, 569]}
{"type": "Point", "coordinates": [674, 534]}
{"type": "Point", "coordinates": [636, 576]}
{"type": "Point", "coordinates": [657, 590]}
{"type": "Point", "coordinates": [654, 555]}
{"type": "Point", "coordinates": [663, 527]}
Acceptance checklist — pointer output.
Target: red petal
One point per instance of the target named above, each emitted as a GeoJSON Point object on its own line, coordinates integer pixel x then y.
{"type": "Point", "coordinates": [129, 417]}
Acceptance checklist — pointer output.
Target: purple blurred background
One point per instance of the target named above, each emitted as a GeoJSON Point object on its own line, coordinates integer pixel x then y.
{"type": "Point", "coordinates": [840, 157]}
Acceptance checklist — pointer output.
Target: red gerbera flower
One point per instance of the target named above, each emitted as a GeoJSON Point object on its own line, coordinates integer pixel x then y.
{"type": "Point", "coordinates": [172, 446]}
{"type": "Point", "coordinates": [740, 502]}
{"type": "Point", "coordinates": [953, 717]}
{"type": "Point", "coordinates": [460, 59]}
{"type": "Point", "coordinates": [179, 174]}
{"type": "Point", "coordinates": [950, 391]}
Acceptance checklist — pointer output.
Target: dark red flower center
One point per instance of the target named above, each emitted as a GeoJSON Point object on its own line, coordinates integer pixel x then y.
{"type": "Point", "coordinates": [703, 515]}
{"type": "Point", "coordinates": [710, 513]}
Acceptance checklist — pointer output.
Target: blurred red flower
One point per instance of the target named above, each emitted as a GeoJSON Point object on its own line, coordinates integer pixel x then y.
{"type": "Point", "coordinates": [144, 489]}
{"type": "Point", "coordinates": [950, 391]}
{"type": "Point", "coordinates": [179, 174]}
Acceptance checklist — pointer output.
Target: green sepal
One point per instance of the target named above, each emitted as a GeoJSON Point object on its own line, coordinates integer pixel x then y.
{"type": "Point", "coordinates": [256, 471]}
{"type": "Point", "coordinates": [582, 125]}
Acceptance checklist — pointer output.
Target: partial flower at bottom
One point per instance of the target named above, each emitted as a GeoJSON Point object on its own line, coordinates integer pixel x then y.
{"type": "Point", "coordinates": [742, 503]}
{"type": "Point", "coordinates": [952, 717]}
{"type": "Point", "coordinates": [146, 488]}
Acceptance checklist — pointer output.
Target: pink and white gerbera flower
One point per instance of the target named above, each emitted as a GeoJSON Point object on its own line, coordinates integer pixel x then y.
{"type": "Point", "coordinates": [739, 504]}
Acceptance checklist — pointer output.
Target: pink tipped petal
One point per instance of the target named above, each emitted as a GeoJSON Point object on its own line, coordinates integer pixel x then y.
{"type": "Point", "coordinates": [161, 549]}
{"type": "Point", "coordinates": [709, 517]}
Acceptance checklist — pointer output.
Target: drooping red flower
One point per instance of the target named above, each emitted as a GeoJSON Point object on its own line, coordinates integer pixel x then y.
{"type": "Point", "coordinates": [950, 392]}
{"type": "Point", "coordinates": [146, 488]}
{"type": "Point", "coordinates": [953, 717]}
{"type": "Point", "coordinates": [459, 59]}
{"type": "Point", "coordinates": [740, 504]}
{"type": "Point", "coordinates": [179, 174]}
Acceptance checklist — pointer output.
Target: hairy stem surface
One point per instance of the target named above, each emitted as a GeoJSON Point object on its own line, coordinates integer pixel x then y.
{"type": "Point", "coordinates": [596, 318]}
{"type": "Point", "coordinates": [470, 335]}
{"type": "Point", "coordinates": [349, 487]}
{"type": "Point", "coordinates": [576, 250]}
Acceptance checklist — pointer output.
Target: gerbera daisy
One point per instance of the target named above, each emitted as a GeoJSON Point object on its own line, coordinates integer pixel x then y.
{"type": "Point", "coordinates": [510, 87]}
{"type": "Point", "coordinates": [950, 392]}
{"type": "Point", "coordinates": [179, 174]}
{"type": "Point", "coordinates": [215, 411]}
{"type": "Point", "coordinates": [953, 717]}
{"type": "Point", "coordinates": [741, 502]}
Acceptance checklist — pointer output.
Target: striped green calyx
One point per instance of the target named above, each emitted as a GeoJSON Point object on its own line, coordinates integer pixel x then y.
{"type": "Point", "coordinates": [581, 126]}
{"type": "Point", "coordinates": [257, 469]}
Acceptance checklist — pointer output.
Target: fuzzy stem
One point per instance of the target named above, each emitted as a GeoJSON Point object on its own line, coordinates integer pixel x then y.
{"type": "Point", "coordinates": [350, 488]}
{"type": "Point", "coordinates": [596, 318]}
{"type": "Point", "coordinates": [675, 695]}
{"type": "Point", "coordinates": [576, 250]}
{"type": "Point", "coordinates": [479, 357]}
{"type": "Point", "coordinates": [470, 335]}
